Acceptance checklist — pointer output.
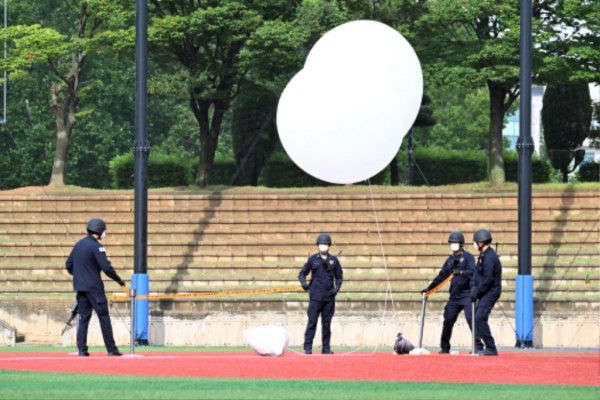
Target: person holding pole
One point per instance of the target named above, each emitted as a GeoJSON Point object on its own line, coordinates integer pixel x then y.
{"type": "Point", "coordinates": [486, 287]}
{"type": "Point", "coordinates": [86, 262]}
{"type": "Point", "coordinates": [325, 282]}
{"type": "Point", "coordinates": [458, 269]}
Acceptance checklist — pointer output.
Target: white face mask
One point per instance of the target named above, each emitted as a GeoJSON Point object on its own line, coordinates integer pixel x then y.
{"type": "Point", "coordinates": [454, 247]}
{"type": "Point", "coordinates": [323, 248]}
{"type": "Point", "coordinates": [103, 235]}
{"type": "Point", "coordinates": [476, 246]}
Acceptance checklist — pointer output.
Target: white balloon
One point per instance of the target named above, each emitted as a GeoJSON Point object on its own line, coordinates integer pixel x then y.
{"type": "Point", "coordinates": [343, 117]}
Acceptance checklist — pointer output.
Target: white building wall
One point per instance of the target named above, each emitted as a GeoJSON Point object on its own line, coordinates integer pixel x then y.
{"type": "Point", "coordinates": [511, 130]}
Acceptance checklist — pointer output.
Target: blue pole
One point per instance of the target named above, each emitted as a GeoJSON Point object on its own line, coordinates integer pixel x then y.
{"type": "Point", "coordinates": [140, 282]}
{"type": "Point", "coordinates": [524, 281]}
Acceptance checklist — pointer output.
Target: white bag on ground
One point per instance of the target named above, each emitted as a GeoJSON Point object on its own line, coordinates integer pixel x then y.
{"type": "Point", "coordinates": [267, 340]}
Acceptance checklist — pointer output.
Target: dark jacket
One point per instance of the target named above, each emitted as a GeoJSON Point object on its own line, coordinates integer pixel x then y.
{"type": "Point", "coordinates": [463, 266]}
{"type": "Point", "coordinates": [487, 279]}
{"type": "Point", "coordinates": [86, 261]}
{"type": "Point", "coordinates": [326, 276]}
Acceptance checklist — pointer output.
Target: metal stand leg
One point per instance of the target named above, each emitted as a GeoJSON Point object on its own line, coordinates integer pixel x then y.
{"type": "Point", "coordinates": [473, 327]}
{"type": "Point", "coordinates": [422, 321]}
{"type": "Point", "coordinates": [132, 324]}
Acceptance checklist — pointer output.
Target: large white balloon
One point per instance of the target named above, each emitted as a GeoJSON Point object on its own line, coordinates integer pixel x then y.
{"type": "Point", "coordinates": [342, 118]}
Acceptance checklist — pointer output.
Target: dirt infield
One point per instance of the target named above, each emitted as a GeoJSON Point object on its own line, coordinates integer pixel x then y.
{"type": "Point", "coordinates": [581, 368]}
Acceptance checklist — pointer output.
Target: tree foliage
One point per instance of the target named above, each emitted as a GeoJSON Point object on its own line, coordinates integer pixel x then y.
{"type": "Point", "coordinates": [218, 43]}
{"type": "Point", "coordinates": [566, 117]}
{"type": "Point", "coordinates": [254, 132]}
{"type": "Point", "coordinates": [462, 120]}
{"type": "Point", "coordinates": [206, 54]}
{"type": "Point", "coordinates": [475, 43]}
{"type": "Point", "coordinates": [64, 50]}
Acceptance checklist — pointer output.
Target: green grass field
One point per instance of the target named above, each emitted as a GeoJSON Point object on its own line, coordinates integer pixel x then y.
{"type": "Point", "coordinates": [54, 386]}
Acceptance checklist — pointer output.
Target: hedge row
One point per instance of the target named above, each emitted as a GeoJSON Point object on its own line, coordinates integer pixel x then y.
{"type": "Point", "coordinates": [433, 167]}
{"type": "Point", "coordinates": [589, 172]}
{"type": "Point", "coordinates": [447, 167]}
{"type": "Point", "coordinates": [280, 171]}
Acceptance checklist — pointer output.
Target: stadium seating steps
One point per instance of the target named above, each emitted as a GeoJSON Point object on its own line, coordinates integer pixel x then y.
{"type": "Point", "coordinates": [392, 242]}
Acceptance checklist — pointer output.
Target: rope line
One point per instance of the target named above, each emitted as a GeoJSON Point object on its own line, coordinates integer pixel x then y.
{"type": "Point", "coordinates": [388, 290]}
{"type": "Point", "coordinates": [164, 296]}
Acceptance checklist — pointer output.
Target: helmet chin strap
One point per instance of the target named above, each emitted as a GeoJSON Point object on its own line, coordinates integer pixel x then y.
{"type": "Point", "coordinates": [481, 248]}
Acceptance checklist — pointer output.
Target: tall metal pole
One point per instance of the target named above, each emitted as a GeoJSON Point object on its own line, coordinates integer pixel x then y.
{"type": "Point", "coordinates": [141, 149]}
{"type": "Point", "coordinates": [525, 146]}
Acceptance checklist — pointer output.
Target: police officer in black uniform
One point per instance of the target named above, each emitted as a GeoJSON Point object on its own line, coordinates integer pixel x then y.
{"type": "Point", "coordinates": [86, 262]}
{"type": "Point", "coordinates": [486, 287]}
{"type": "Point", "coordinates": [325, 282]}
{"type": "Point", "coordinates": [461, 263]}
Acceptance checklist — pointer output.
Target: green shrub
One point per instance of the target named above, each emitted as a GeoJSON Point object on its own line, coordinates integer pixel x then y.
{"type": "Point", "coordinates": [224, 170]}
{"type": "Point", "coordinates": [163, 171]}
{"type": "Point", "coordinates": [589, 171]}
{"type": "Point", "coordinates": [280, 171]}
{"type": "Point", "coordinates": [540, 169]}
{"type": "Point", "coordinates": [447, 167]}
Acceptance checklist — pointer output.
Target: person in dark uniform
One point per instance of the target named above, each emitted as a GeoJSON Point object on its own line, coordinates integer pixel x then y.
{"type": "Point", "coordinates": [325, 282]}
{"type": "Point", "coordinates": [461, 264]}
{"type": "Point", "coordinates": [86, 262]}
{"type": "Point", "coordinates": [486, 287]}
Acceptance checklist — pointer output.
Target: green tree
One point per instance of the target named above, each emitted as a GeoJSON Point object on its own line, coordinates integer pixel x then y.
{"type": "Point", "coordinates": [64, 50]}
{"type": "Point", "coordinates": [566, 118]}
{"type": "Point", "coordinates": [218, 44]}
{"type": "Point", "coordinates": [254, 132]}
{"type": "Point", "coordinates": [107, 128]}
{"type": "Point", "coordinates": [462, 120]}
{"type": "Point", "coordinates": [475, 43]}
{"type": "Point", "coordinates": [424, 119]}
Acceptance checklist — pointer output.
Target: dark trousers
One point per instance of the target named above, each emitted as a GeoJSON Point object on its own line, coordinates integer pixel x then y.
{"type": "Point", "coordinates": [482, 328]}
{"type": "Point", "coordinates": [451, 312]}
{"type": "Point", "coordinates": [96, 301]}
{"type": "Point", "coordinates": [325, 309]}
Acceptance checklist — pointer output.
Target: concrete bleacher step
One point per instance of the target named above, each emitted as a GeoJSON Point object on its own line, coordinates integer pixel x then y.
{"type": "Point", "coordinates": [262, 236]}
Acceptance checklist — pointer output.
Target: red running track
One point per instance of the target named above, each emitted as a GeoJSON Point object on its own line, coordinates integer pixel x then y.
{"type": "Point", "coordinates": [581, 368]}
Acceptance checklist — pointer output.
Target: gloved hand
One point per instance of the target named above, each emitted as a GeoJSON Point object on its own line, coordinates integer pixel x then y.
{"type": "Point", "coordinates": [305, 286]}
{"type": "Point", "coordinates": [121, 283]}
{"type": "Point", "coordinates": [474, 294]}
{"type": "Point", "coordinates": [424, 291]}
{"type": "Point", "coordinates": [333, 292]}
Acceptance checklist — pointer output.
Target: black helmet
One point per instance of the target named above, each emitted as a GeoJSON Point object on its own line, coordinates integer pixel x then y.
{"type": "Point", "coordinates": [482, 235]}
{"type": "Point", "coordinates": [324, 238]}
{"type": "Point", "coordinates": [456, 237]}
{"type": "Point", "coordinates": [96, 225]}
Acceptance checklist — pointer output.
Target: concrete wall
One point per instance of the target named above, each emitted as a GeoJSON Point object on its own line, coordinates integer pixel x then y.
{"type": "Point", "coordinates": [41, 321]}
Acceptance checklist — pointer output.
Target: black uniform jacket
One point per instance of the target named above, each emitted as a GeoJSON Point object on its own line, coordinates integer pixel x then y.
{"type": "Point", "coordinates": [487, 279]}
{"type": "Point", "coordinates": [85, 263]}
{"type": "Point", "coordinates": [326, 275]}
{"type": "Point", "coordinates": [463, 266]}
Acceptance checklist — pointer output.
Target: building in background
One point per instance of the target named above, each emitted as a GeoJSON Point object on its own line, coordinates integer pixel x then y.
{"type": "Point", "coordinates": [511, 130]}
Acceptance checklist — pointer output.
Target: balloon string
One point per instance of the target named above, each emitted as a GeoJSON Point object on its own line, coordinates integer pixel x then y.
{"type": "Point", "coordinates": [414, 160]}
{"type": "Point", "coordinates": [388, 290]}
